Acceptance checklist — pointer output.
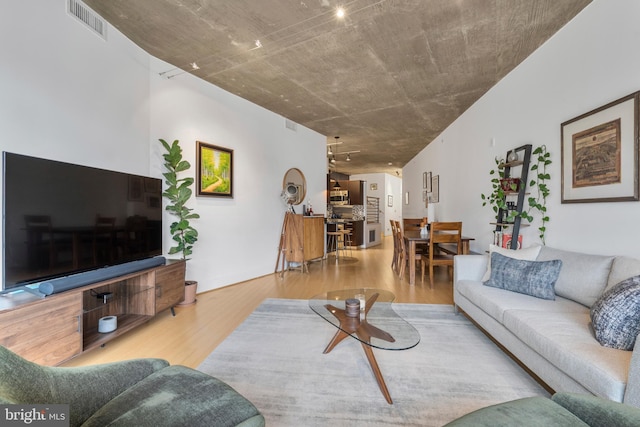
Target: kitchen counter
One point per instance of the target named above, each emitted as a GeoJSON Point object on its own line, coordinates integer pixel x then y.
{"type": "Point", "coordinates": [342, 220]}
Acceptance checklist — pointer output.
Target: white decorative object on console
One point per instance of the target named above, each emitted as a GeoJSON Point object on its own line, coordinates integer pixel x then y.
{"type": "Point", "coordinates": [107, 324]}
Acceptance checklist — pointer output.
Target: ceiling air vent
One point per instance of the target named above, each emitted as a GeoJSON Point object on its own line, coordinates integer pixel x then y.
{"type": "Point", "coordinates": [88, 17]}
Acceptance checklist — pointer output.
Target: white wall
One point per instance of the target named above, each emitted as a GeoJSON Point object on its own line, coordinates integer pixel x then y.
{"type": "Point", "coordinates": [393, 187]}
{"type": "Point", "coordinates": [239, 237]}
{"type": "Point", "coordinates": [68, 95]}
{"type": "Point", "coordinates": [593, 60]}
{"type": "Point", "coordinates": [388, 185]}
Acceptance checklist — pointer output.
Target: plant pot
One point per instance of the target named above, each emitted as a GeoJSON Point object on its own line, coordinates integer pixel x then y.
{"type": "Point", "coordinates": [190, 289]}
{"type": "Point", "coordinates": [510, 184]}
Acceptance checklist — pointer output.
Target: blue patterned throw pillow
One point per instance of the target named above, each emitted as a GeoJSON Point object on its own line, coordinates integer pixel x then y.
{"type": "Point", "coordinates": [535, 278]}
{"type": "Point", "coordinates": [615, 316]}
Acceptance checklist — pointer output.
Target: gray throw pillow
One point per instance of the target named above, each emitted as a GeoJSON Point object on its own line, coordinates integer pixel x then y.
{"type": "Point", "coordinates": [615, 317]}
{"type": "Point", "coordinates": [535, 278]}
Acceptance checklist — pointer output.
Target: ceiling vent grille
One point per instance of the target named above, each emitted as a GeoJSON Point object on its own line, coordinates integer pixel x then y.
{"type": "Point", "coordinates": [88, 17]}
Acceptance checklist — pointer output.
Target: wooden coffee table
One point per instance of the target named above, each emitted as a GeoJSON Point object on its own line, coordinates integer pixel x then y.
{"type": "Point", "coordinates": [377, 325]}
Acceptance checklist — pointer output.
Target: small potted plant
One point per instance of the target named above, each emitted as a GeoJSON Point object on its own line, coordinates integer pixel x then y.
{"type": "Point", "coordinates": [500, 187]}
{"type": "Point", "coordinates": [178, 193]}
{"type": "Point", "coordinates": [510, 185]}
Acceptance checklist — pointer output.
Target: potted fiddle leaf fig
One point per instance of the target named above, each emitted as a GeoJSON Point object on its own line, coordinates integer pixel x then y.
{"type": "Point", "coordinates": [178, 193]}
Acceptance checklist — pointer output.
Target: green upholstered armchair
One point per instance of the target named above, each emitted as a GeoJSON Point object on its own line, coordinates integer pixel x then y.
{"type": "Point", "coordinates": [563, 409]}
{"type": "Point", "coordinates": [135, 392]}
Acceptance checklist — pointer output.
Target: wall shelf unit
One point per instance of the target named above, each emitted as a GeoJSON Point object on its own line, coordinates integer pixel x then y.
{"type": "Point", "coordinates": [510, 170]}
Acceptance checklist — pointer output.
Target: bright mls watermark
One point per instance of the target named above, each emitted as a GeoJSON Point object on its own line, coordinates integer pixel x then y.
{"type": "Point", "coordinates": [34, 415]}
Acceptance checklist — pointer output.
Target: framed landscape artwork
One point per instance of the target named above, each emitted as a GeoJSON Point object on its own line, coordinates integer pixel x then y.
{"type": "Point", "coordinates": [600, 154]}
{"type": "Point", "coordinates": [215, 170]}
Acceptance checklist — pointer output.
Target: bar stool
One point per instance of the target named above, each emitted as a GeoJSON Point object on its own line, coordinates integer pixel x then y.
{"type": "Point", "coordinates": [346, 242]}
{"type": "Point", "coordinates": [334, 239]}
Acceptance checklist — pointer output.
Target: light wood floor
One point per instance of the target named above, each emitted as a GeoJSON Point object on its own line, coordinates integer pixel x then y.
{"type": "Point", "coordinates": [195, 331]}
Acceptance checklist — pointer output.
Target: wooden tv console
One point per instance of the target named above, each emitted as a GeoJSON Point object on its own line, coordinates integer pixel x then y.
{"type": "Point", "coordinates": [51, 330]}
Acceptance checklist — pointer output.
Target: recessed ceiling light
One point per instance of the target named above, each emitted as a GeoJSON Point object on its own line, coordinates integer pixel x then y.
{"type": "Point", "coordinates": [390, 163]}
{"type": "Point", "coordinates": [340, 12]}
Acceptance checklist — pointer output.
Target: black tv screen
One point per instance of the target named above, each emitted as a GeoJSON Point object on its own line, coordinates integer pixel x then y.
{"type": "Point", "coordinates": [60, 219]}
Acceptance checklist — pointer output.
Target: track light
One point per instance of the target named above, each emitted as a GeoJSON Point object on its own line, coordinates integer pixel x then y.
{"type": "Point", "coordinates": [348, 157]}
{"type": "Point", "coordinates": [174, 72]}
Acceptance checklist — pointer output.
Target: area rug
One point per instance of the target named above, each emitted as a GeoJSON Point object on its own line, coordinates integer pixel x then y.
{"type": "Point", "coordinates": [274, 358]}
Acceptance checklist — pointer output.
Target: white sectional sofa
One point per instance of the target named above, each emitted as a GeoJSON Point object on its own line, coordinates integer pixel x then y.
{"type": "Point", "coordinates": [554, 338]}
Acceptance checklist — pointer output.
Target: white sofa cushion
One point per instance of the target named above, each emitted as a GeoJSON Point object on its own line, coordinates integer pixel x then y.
{"type": "Point", "coordinates": [566, 341]}
{"type": "Point", "coordinates": [622, 268]}
{"type": "Point", "coordinates": [495, 302]}
{"type": "Point", "coordinates": [582, 278]}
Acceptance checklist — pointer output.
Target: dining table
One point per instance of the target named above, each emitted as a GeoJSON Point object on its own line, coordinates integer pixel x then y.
{"type": "Point", "coordinates": [413, 238]}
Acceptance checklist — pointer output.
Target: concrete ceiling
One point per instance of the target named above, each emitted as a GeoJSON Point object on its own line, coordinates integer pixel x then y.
{"type": "Point", "coordinates": [387, 78]}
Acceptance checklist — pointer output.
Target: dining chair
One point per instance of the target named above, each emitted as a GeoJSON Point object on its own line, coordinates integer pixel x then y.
{"type": "Point", "coordinates": [416, 224]}
{"type": "Point", "coordinates": [403, 253]}
{"type": "Point", "coordinates": [411, 224]}
{"type": "Point", "coordinates": [444, 243]}
{"type": "Point", "coordinates": [394, 233]}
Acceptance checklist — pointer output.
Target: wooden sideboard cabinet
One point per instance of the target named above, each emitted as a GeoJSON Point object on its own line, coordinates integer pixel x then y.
{"type": "Point", "coordinates": [313, 227]}
{"type": "Point", "coordinates": [56, 328]}
{"type": "Point", "coordinates": [170, 285]}
{"type": "Point", "coordinates": [131, 300]}
{"type": "Point", "coordinates": [303, 238]}
{"type": "Point", "coordinates": [46, 331]}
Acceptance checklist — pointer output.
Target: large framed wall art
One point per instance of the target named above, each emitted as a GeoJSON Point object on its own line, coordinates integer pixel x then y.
{"type": "Point", "coordinates": [215, 170]}
{"type": "Point", "coordinates": [600, 154]}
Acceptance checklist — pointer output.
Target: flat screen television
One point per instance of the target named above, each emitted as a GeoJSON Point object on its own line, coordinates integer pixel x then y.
{"type": "Point", "coordinates": [61, 219]}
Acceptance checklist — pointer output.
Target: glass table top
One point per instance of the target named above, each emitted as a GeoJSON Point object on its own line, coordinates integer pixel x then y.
{"type": "Point", "coordinates": [384, 328]}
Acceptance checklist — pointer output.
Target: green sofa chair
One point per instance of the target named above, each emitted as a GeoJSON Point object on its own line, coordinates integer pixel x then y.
{"type": "Point", "coordinates": [563, 409]}
{"type": "Point", "coordinates": [140, 392]}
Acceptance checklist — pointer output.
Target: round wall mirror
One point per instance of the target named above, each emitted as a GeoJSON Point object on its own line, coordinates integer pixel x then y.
{"type": "Point", "coordinates": [294, 185]}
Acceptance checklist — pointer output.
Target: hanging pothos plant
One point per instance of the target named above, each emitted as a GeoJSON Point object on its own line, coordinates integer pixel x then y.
{"type": "Point", "coordinates": [542, 159]}
{"type": "Point", "coordinates": [497, 198]}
